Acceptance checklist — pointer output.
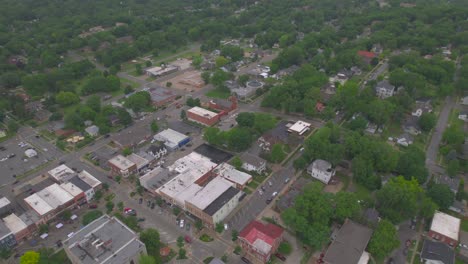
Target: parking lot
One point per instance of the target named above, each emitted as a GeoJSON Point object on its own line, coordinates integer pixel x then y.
{"type": "Point", "coordinates": [18, 163]}
{"type": "Point", "coordinates": [102, 155]}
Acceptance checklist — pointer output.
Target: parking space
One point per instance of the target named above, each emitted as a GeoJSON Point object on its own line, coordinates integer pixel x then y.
{"type": "Point", "coordinates": [228, 122]}
{"type": "Point", "coordinates": [184, 128]}
{"type": "Point", "coordinates": [102, 155]}
{"type": "Point", "coordinates": [13, 160]}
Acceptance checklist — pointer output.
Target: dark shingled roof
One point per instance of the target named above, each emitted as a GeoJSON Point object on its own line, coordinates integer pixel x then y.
{"type": "Point", "coordinates": [214, 154]}
{"type": "Point", "coordinates": [221, 201]}
{"type": "Point", "coordinates": [80, 183]}
{"type": "Point", "coordinates": [437, 251]}
{"type": "Point", "coordinates": [350, 243]}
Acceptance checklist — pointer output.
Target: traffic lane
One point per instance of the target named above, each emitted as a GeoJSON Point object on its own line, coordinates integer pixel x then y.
{"type": "Point", "coordinates": [404, 233]}
{"type": "Point", "coordinates": [257, 203]}
{"type": "Point", "coordinates": [201, 250]}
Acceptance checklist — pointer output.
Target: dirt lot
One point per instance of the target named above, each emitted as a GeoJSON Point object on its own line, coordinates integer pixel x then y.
{"type": "Point", "coordinates": [189, 80]}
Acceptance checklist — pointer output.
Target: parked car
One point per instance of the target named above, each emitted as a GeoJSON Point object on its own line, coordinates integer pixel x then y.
{"type": "Point", "coordinates": [177, 221]}
{"type": "Point", "coordinates": [226, 227]}
{"type": "Point", "coordinates": [188, 239]}
{"type": "Point", "coordinates": [269, 200]}
{"type": "Point", "coordinates": [187, 227]}
{"type": "Point", "coordinates": [152, 205]}
{"type": "Point", "coordinates": [142, 219]}
{"type": "Point", "coordinates": [263, 188]}
{"type": "Point", "coordinates": [140, 201]}
{"type": "Point", "coordinates": [274, 194]}
{"type": "Point", "coordinates": [245, 260]}
{"type": "Point", "coordinates": [287, 180]}
{"type": "Point", "coordinates": [278, 255]}
{"type": "Point", "coordinates": [92, 206]}
{"type": "Point", "coordinates": [181, 223]}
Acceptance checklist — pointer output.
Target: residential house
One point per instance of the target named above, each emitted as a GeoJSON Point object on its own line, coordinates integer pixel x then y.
{"type": "Point", "coordinates": [464, 100]}
{"type": "Point", "coordinates": [321, 170]}
{"type": "Point", "coordinates": [405, 140]}
{"type": "Point", "coordinates": [463, 115]}
{"type": "Point", "coordinates": [445, 228]}
{"type": "Point", "coordinates": [384, 89]}
{"type": "Point", "coordinates": [92, 131]}
{"type": "Point", "coordinates": [319, 107]}
{"type": "Point", "coordinates": [113, 120]}
{"type": "Point", "coordinates": [157, 150]}
{"type": "Point", "coordinates": [422, 106]}
{"type": "Point", "coordinates": [253, 163]}
{"type": "Point", "coordinates": [436, 252]}
{"type": "Point", "coordinates": [140, 162]}
{"type": "Point", "coordinates": [452, 183]}
{"type": "Point", "coordinates": [260, 241]}
{"type": "Point", "coordinates": [42, 115]}
{"type": "Point", "coordinates": [367, 56]}
{"type": "Point", "coordinates": [132, 137]}
{"type": "Point", "coordinates": [411, 126]}
{"type": "Point", "coordinates": [349, 245]}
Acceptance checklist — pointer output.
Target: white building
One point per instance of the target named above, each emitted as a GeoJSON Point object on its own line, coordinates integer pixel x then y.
{"type": "Point", "coordinates": [93, 131]}
{"type": "Point", "coordinates": [253, 163]}
{"type": "Point", "coordinates": [445, 228]}
{"type": "Point", "coordinates": [384, 89]}
{"type": "Point", "coordinates": [61, 173]}
{"type": "Point", "coordinates": [141, 163]}
{"type": "Point", "coordinates": [228, 172]}
{"type": "Point", "coordinates": [171, 138]}
{"type": "Point", "coordinates": [120, 165]}
{"type": "Point", "coordinates": [161, 71]}
{"type": "Point", "coordinates": [321, 170]}
{"type": "Point", "coordinates": [300, 127]}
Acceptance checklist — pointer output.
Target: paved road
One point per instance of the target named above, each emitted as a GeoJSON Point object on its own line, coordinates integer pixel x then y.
{"type": "Point", "coordinates": [404, 233]}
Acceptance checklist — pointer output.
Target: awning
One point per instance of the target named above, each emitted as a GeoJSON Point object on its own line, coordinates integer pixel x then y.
{"type": "Point", "coordinates": [73, 217]}
{"type": "Point", "coordinates": [43, 236]}
{"type": "Point", "coordinates": [59, 225]}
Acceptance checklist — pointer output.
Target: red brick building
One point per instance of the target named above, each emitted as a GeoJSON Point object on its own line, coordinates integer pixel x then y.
{"type": "Point", "coordinates": [367, 56]}
{"type": "Point", "coordinates": [445, 228]}
{"type": "Point", "coordinates": [203, 116]}
{"type": "Point", "coordinates": [224, 105]}
{"type": "Point", "coordinates": [260, 241]}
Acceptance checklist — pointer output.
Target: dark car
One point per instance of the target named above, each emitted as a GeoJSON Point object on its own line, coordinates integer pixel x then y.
{"type": "Point", "coordinates": [106, 135]}
{"type": "Point", "coordinates": [59, 243]}
{"type": "Point", "coordinates": [390, 261]}
{"type": "Point", "coordinates": [12, 155]}
{"type": "Point", "coordinates": [2, 148]}
{"type": "Point", "coordinates": [92, 206]}
{"type": "Point", "coordinates": [142, 219]}
{"type": "Point", "coordinates": [278, 255]}
{"type": "Point", "coordinates": [269, 200]}
{"type": "Point", "coordinates": [245, 260]}
{"type": "Point", "coordinates": [263, 188]}
{"type": "Point", "coordinates": [177, 221]}
{"type": "Point", "coordinates": [148, 203]}
{"type": "Point", "coordinates": [140, 201]}
{"type": "Point", "coordinates": [152, 205]}
{"type": "Point", "coordinates": [187, 227]}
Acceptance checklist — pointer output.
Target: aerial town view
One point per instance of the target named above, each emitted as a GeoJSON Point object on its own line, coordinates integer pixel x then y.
{"type": "Point", "coordinates": [234, 131]}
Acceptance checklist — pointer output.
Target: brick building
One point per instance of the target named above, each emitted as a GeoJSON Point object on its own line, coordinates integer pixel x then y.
{"type": "Point", "coordinates": [445, 228]}
{"type": "Point", "coordinates": [203, 116]}
{"type": "Point", "coordinates": [260, 241]}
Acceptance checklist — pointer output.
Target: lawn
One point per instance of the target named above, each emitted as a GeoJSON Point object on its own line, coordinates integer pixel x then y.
{"type": "Point", "coordinates": [464, 225]}
{"type": "Point", "coordinates": [253, 185]}
{"type": "Point", "coordinates": [206, 238]}
{"type": "Point", "coordinates": [217, 93]}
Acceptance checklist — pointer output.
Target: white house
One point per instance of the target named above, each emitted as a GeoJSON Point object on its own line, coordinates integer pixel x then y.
{"type": "Point", "coordinates": [321, 170]}
{"type": "Point", "coordinates": [157, 151]}
{"type": "Point", "coordinates": [93, 131]}
{"type": "Point", "coordinates": [463, 115]}
{"type": "Point", "coordinates": [253, 163]}
{"type": "Point", "coordinates": [384, 89]}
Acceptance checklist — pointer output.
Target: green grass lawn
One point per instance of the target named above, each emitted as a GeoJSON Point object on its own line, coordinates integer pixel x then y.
{"type": "Point", "coordinates": [464, 225]}
{"type": "Point", "coordinates": [217, 93]}
{"type": "Point", "coordinates": [362, 192]}
{"type": "Point", "coordinates": [253, 184]}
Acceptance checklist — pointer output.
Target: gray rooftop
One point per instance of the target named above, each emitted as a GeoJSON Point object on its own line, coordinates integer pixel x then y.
{"type": "Point", "coordinates": [159, 94]}
{"type": "Point", "coordinates": [80, 183]}
{"type": "Point", "coordinates": [350, 243]}
{"type": "Point", "coordinates": [4, 230]}
{"type": "Point", "coordinates": [252, 159]}
{"type": "Point", "coordinates": [385, 85]}
{"type": "Point", "coordinates": [221, 201]}
{"type": "Point", "coordinates": [106, 240]}
{"type": "Point", "coordinates": [437, 251]}
{"type": "Point", "coordinates": [321, 165]}
{"type": "Point", "coordinates": [453, 183]}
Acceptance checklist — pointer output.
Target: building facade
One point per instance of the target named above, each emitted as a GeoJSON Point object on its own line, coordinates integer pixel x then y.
{"type": "Point", "coordinates": [259, 241]}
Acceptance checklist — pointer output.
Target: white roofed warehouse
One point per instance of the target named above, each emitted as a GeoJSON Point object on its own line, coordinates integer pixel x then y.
{"type": "Point", "coordinates": [445, 228]}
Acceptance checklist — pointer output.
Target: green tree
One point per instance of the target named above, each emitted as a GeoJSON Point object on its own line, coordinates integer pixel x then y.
{"type": "Point", "coordinates": [220, 61]}
{"type": "Point", "coordinates": [243, 79]}
{"type": "Point", "coordinates": [363, 172]}
{"type": "Point", "coordinates": [199, 224]}
{"type": "Point", "coordinates": [427, 121]}
{"type": "Point", "coordinates": [182, 254]}
{"type": "Point", "coordinates": [384, 240]}
{"type": "Point", "coordinates": [234, 235]}
{"type": "Point", "coordinates": [212, 135]}
{"type": "Point", "coordinates": [146, 259]}
{"type": "Point", "coordinates": [412, 164]}
{"type": "Point", "coordinates": [150, 237]}
{"type": "Point", "coordinates": [183, 114]}
{"type": "Point", "coordinates": [285, 248]}
{"type": "Point", "coordinates": [30, 257]}
{"type": "Point", "coordinates": [453, 167]}
{"type": "Point", "coordinates": [138, 69]}
{"type": "Point", "coordinates": [239, 139]}
{"type": "Point", "coordinates": [453, 135]}
{"type": "Point", "coordinates": [277, 153]}
{"type": "Point", "coordinates": [246, 119]}
{"type": "Point", "coordinates": [138, 101]}
{"type": "Point", "coordinates": [73, 120]}
{"type": "Point", "coordinates": [154, 126]}
{"type": "Point", "coordinates": [94, 102]}
{"type": "Point", "coordinates": [13, 126]}
{"type": "Point", "coordinates": [66, 98]}
{"type": "Point", "coordinates": [109, 206]}
{"type": "Point", "coordinates": [441, 195]}
{"type": "Point", "coordinates": [124, 117]}
{"type": "Point", "coordinates": [180, 241]}
{"type": "Point", "coordinates": [219, 227]}
{"type": "Point", "coordinates": [461, 190]}
{"type": "Point", "coordinates": [264, 122]}
{"type": "Point", "coordinates": [206, 76]}
{"type": "Point", "coordinates": [86, 113]}
{"type": "Point", "coordinates": [126, 151]}
{"type": "Point", "coordinates": [237, 162]}
{"type": "Point", "coordinates": [399, 199]}
{"type": "Point", "coordinates": [346, 206]}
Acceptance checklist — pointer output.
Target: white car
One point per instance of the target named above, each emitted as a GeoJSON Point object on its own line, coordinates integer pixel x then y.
{"type": "Point", "coordinates": [260, 192]}
{"type": "Point", "coordinates": [274, 194]}
{"type": "Point", "coordinates": [181, 223]}
{"type": "Point", "coordinates": [226, 226]}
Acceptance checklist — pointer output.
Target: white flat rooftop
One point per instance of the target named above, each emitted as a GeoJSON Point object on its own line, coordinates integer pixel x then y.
{"type": "Point", "coordinates": [14, 223]}
{"type": "Point", "coordinates": [170, 136]}
{"type": "Point", "coordinates": [446, 225]}
{"type": "Point", "coordinates": [202, 112]}
{"type": "Point", "coordinates": [71, 188]}
{"type": "Point", "coordinates": [54, 195]}
{"type": "Point", "coordinates": [299, 127]}
{"type": "Point", "coordinates": [38, 204]}
{"type": "Point", "coordinates": [138, 160]}
{"type": "Point", "coordinates": [89, 179]}
{"type": "Point", "coordinates": [61, 172]}
{"type": "Point", "coordinates": [230, 173]}
{"type": "Point", "coordinates": [193, 162]}
{"type": "Point", "coordinates": [210, 192]}
{"type": "Point", "coordinates": [4, 202]}
{"type": "Point", "coordinates": [121, 162]}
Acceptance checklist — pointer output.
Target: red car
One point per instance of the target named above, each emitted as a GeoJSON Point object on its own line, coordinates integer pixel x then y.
{"type": "Point", "coordinates": [188, 239]}
{"type": "Point", "coordinates": [92, 206]}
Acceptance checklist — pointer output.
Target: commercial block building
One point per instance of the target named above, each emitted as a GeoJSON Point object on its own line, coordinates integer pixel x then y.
{"type": "Point", "coordinates": [161, 96]}
{"type": "Point", "coordinates": [445, 228]}
{"type": "Point", "coordinates": [106, 240]}
{"type": "Point", "coordinates": [17, 227]}
{"type": "Point", "coordinates": [172, 139]}
{"type": "Point", "coordinates": [7, 238]}
{"type": "Point", "coordinates": [203, 116]}
{"type": "Point", "coordinates": [238, 178]}
{"type": "Point", "coordinates": [120, 165]}
{"type": "Point", "coordinates": [300, 127]}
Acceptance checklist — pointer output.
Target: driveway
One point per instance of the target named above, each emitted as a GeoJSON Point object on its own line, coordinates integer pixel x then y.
{"type": "Point", "coordinates": [404, 233]}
